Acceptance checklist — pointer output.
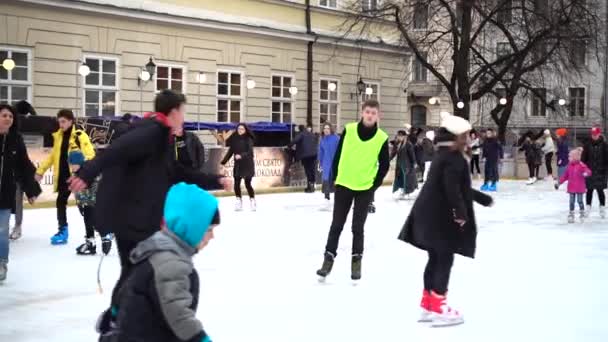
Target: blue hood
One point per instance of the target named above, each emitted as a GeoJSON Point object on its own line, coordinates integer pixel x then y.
{"type": "Point", "coordinates": [189, 211]}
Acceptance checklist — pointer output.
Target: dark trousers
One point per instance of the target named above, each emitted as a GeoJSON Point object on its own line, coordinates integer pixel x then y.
{"type": "Point", "coordinates": [343, 200]}
{"type": "Point", "coordinates": [491, 171]}
{"type": "Point", "coordinates": [600, 195]}
{"type": "Point", "coordinates": [309, 167]}
{"type": "Point", "coordinates": [578, 198]}
{"type": "Point", "coordinates": [548, 163]}
{"type": "Point", "coordinates": [124, 251]}
{"type": "Point", "coordinates": [534, 170]}
{"type": "Point", "coordinates": [475, 164]}
{"type": "Point", "coordinates": [237, 187]}
{"type": "Point", "coordinates": [437, 272]}
{"type": "Point", "coordinates": [62, 201]}
{"type": "Point", "coordinates": [88, 213]}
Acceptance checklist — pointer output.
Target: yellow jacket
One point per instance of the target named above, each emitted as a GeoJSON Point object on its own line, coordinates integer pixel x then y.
{"type": "Point", "coordinates": [53, 160]}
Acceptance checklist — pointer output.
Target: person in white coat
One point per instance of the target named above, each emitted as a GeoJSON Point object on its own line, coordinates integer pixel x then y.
{"type": "Point", "coordinates": [548, 150]}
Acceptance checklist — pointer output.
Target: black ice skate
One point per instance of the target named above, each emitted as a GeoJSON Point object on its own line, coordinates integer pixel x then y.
{"type": "Point", "coordinates": [87, 248]}
{"type": "Point", "coordinates": [328, 263]}
{"type": "Point", "coordinates": [355, 267]}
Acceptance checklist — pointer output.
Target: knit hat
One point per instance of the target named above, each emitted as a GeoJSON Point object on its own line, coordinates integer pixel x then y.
{"type": "Point", "coordinates": [430, 135]}
{"type": "Point", "coordinates": [76, 158]}
{"type": "Point", "coordinates": [454, 124]}
{"type": "Point", "coordinates": [547, 132]}
{"type": "Point", "coordinates": [189, 211]}
{"type": "Point", "coordinates": [596, 131]}
{"type": "Point", "coordinates": [561, 132]}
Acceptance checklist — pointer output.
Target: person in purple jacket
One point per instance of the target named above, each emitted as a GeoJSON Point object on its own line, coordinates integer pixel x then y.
{"type": "Point", "coordinates": [327, 151]}
{"type": "Point", "coordinates": [562, 151]}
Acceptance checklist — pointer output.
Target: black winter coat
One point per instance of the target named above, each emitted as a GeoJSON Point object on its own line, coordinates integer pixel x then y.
{"type": "Point", "coordinates": [428, 150]}
{"type": "Point", "coordinates": [533, 152]}
{"type": "Point", "coordinates": [595, 155]}
{"type": "Point", "coordinates": [243, 146]}
{"type": "Point", "coordinates": [446, 195]}
{"type": "Point", "coordinates": [141, 168]}
{"type": "Point", "coordinates": [306, 145]}
{"type": "Point", "coordinates": [405, 172]}
{"type": "Point", "coordinates": [15, 167]}
{"type": "Point", "coordinates": [196, 150]}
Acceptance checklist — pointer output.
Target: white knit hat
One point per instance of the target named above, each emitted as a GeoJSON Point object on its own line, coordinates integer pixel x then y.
{"type": "Point", "coordinates": [430, 135]}
{"type": "Point", "coordinates": [454, 124]}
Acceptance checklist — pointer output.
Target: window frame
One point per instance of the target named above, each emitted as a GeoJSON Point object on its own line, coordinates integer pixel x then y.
{"type": "Point", "coordinates": [328, 4]}
{"type": "Point", "coordinates": [570, 101]}
{"type": "Point", "coordinates": [29, 84]}
{"type": "Point", "coordinates": [329, 101]}
{"type": "Point", "coordinates": [542, 102]}
{"type": "Point", "coordinates": [377, 93]}
{"type": "Point", "coordinates": [291, 99]}
{"type": "Point", "coordinates": [369, 8]}
{"type": "Point", "coordinates": [498, 45]}
{"type": "Point", "coordinates": [230, 98]}
{"type": "Point", "coordinates": [415, 62]}
{"type": "Point", "coordinates": [170, 79]}
{"type": "Point", "coordinates": [100, 87]}
{"type": "Point", "coordinates": [509, 16]}
{"type": "Point", "coordinates": [414, 18]}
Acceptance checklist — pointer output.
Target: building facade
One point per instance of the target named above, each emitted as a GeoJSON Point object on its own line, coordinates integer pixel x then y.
{"type": "Point", "coordinates": [235, 60]}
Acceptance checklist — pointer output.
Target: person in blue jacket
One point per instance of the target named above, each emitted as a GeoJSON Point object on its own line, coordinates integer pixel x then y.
{"type": "Point", "coordinates": [327, 151]}
{"type": "Point", "coordinates": [562, 151]}
{"type": "Point", "coordinates": [492, 152]}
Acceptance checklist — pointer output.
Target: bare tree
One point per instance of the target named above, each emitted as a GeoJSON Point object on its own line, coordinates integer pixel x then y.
{"type": "Point", "coordinates": [456, 41]}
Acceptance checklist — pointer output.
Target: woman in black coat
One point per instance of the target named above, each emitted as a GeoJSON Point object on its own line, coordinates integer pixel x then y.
{"type": "Point", "coordinates": [240, 145]}
{"type": "Point", "coordinates": [534, 158]}
{"type": "Point", "coordinates": [15, 167]}
{"type": "Point", "coordinates": [442, 220]}
{"type": "Point", "coordinates": [405, 171]}
{"type": "Point", "coordinates": [595, 155]}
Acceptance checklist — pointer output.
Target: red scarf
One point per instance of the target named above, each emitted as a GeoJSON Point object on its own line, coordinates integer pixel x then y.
{"type": "Point", "coordinates": [162, 118]}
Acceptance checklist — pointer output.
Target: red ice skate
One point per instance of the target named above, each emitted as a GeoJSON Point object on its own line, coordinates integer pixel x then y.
{"type": "Point", "coordinates": [425, 306]}
{"type": "Point", "coordinates": [441, 314]}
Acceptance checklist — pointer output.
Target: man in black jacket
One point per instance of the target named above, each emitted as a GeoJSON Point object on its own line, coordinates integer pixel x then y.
{"type": "Point", "coordinates": [143, 167]}
{"type": "Point", "coordinates": [189, 149]}
{"type": "Point", "coordinates": [306, 152]}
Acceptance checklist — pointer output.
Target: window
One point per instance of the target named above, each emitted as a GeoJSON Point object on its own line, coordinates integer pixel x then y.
{"type": "Point", "coordinates": [502, 50]}
{"type": "Point", "coordinates": [578, 53]}
{"type": "Point", "coordinates": [539, 102]}
{"type": "Point", "coordinates": [16, 84]}
{"type": "Point", "coordinates": [539, 52]}
{"type": "Point", "coordinates": [170, 77]}
{"type": "Point", "coordinates": [419, 69]}
{"type": "Point", "coordinates": [418, 116]}
{"type": "Point", "coordinates": [541, 7]}
{"type": "Point", "coordinates": [328, 102]}
{"type": "Point", "coordinates": [505, 13]}
{"type": "Point", "coordinates": [369, 5]}
{"type": "Point", "coordinates": [375, 92]}
{"type": "Point", "coordinates": [421, 16]}
{"type": "Point", "coordinates": [229, 96]}
{"type": "Point", "coordinates": [100, 87]}
{"type": "Point", "coordinates": [577, 102]}
{"type": "Point", "coordinates": [282, 103]}
{"type": "Point", "coordinates": [501, 93]}
{"type": "Point", "coordinates": [328, 3]}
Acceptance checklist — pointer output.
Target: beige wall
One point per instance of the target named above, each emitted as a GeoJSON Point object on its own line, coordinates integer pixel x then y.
{"type": "Point", "coordinates": [58, 38]}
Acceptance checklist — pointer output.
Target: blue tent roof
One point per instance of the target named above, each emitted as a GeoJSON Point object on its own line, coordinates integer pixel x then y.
{"type": "Point", "coordinates": [225, 126]}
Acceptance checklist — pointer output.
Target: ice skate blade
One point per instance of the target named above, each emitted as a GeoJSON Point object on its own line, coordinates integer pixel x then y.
{"type": "Point", "coordinates": [322, 280]}
{"type": "Point", "coordinates": [446, 323]}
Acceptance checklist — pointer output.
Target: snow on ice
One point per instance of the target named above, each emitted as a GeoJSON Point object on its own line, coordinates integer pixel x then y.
{"type": "Point", "coordinates": [536, 278]}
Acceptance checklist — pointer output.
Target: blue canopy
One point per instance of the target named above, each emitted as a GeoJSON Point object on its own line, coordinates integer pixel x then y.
{"type": "Point", "coordinates": [226, 126]}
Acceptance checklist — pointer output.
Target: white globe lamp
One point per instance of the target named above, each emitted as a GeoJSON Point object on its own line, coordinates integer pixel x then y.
{"type": "Point", "coordinates": [460, 104]}
{"type": "Point", "coordinates": [144, 75]}
{"type": "Point", "coordinates": [250, 84]}
{"type": "Point", "coordinates": [332, 86]}
{"type": "Point", "coordinates": [8, 64]}
{"type": "Point", "coordinates": [84, 70]}
{"type": "Point", "coordinates": [293, 90]}
{"type": "Point", "coordinates": [502, 101]}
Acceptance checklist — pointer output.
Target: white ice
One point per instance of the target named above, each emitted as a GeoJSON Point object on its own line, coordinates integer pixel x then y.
{"type": "Point", "coordinates": [535, 278]}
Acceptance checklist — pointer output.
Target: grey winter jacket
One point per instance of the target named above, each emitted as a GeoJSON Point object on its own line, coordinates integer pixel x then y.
{"type": "Point", "coordinates": [196, 150]}
{"type": "Point", "coordinates": [162, 291]}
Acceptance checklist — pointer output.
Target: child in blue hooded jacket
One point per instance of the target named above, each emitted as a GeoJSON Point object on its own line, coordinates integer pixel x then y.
{"type": "Point", "coordinates": [159, 300]}
{"type": "Point", "coordinates": [327, 152]}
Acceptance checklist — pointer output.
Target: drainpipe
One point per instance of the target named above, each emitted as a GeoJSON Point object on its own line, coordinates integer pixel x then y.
{"type": "Point", "coordinates": [309, 66]}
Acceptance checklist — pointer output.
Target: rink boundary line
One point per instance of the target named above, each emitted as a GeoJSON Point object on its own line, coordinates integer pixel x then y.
{"type": "Point", "coordinates": [268, 191]}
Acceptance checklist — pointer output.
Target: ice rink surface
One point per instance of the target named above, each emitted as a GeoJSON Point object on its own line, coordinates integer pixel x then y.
{"type": "Point", "coordinates": [535, 277]}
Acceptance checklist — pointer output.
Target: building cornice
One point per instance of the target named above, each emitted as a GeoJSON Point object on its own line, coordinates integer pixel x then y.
{"type": "Point", "coordinates": [140, 14]}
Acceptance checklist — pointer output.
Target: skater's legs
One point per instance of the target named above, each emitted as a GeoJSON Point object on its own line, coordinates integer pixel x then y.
{"type": "Point", "coordinates": [250, 190]}
{"type": "Point", "coordinates": [531, 170]}
{"type": "Point", "coordinates": [476, 160]}
{"type": "Point", "coordinates": [124, 251]}
{"type": "Point", "coordinates": [572, 199]}
{"type": "Point", "coordinates": [5, 216]}
{"type": "Point", "coordinates": [428, 271]}
{"type": "Point", "coordinates": [548, 163]}
{"type": "Point", "coordinates": [360, 210]}
{"type": "Point", "coordinates": [441, 272]}
{"type": "Point", "coordinates": [237, 187]}
{"type": "Point", "coordinates": [88, 214]}
{"type": "Point", "coordinates": [327, 197]}
{"type": "Point", "coordinates": [19, 206]}
{"type": "Point", "coordinates": [309, 168]}
{"type": "Point", "coordinates": [427, 168]}
{"type": "Point", "coordinates": [579, 199]}
{"type": "Point", "coordinates": [487, 172]}
{"type": "Point", "coordinates": [589, 196]}
{"type": "Point", "coordinates": [602, 196]}
{"type": "Point", "coordinates": [62, 202]}
{"type": "Point", "coordinates": [342, 202]}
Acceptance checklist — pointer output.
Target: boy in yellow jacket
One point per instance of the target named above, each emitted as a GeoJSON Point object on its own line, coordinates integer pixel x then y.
{"type": "Point", "coordinates": [67, 139]}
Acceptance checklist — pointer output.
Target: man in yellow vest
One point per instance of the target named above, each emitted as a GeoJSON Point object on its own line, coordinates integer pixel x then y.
{"type": "Point", "coordinates": [360, 165]}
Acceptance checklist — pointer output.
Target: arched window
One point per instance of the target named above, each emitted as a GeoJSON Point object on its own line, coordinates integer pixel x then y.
{"type": "Point", "coordinates": [418, 116]}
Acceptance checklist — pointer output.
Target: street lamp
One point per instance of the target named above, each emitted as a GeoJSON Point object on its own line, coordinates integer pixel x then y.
{"type": "Point", "coordinates": [250, 84]}
{"type": "Point", "coordinates": [84, 70]}
{"type": "Point", "coordinates": [201, 78]}
{"type": "Point", "coordinates": [144, 75]}
{"type": "Point", "coordinates": [150, 68]}
{"type": "Point", "coordinates": [502, 101]}
{"type": "Point", "coordinates": [332, 86]}
{"type": "Point", "coordinates": [561, 102]}
{"type": "Point", "coordinates": [369, 91]}
{"type": "Point", "coordinates": [8, 64]}
{"type": "Point", "coordinates": [293, 90]}
{"type": "Point", "coordinates": [460, 105]}
{"type": "Point", "coordinates": [433, 100]}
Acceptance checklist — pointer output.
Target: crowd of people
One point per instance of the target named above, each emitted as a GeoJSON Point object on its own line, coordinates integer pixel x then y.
{"type": "Point", "coordinates": [147, 192]}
